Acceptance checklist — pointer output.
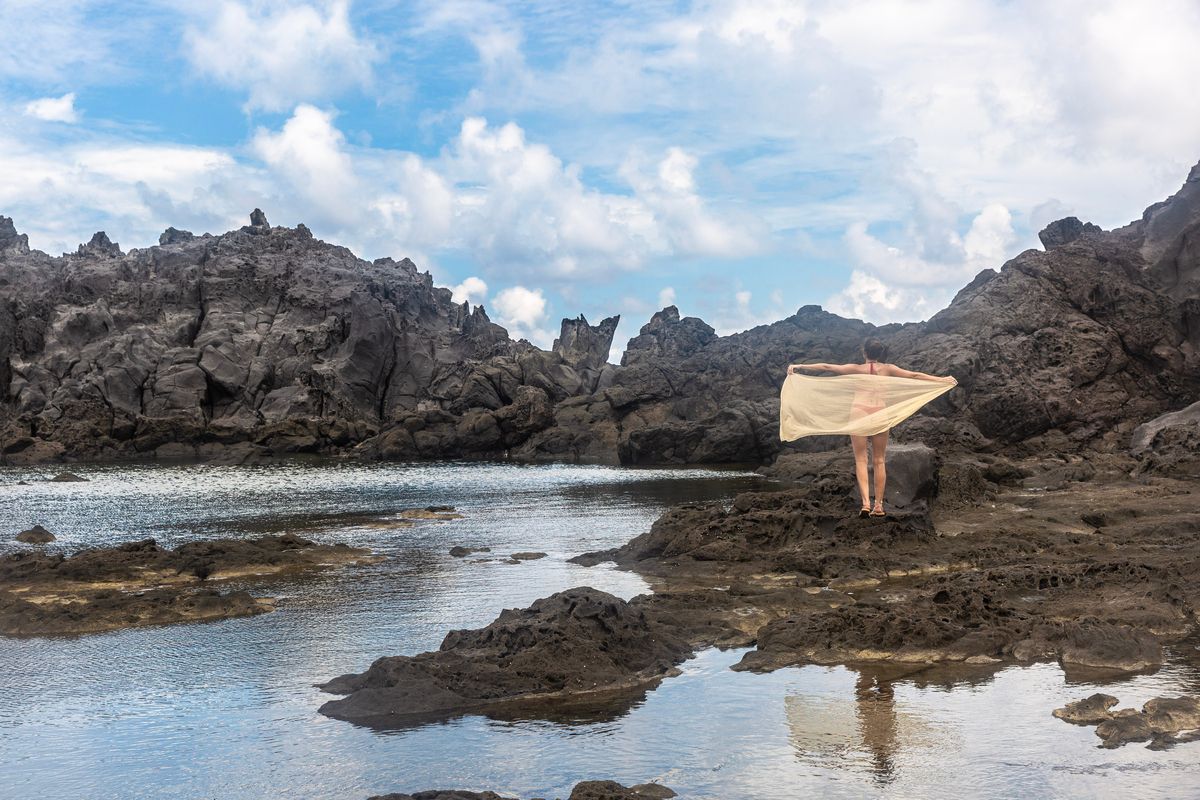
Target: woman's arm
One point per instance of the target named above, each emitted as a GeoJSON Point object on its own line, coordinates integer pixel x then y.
{"type": "Point", "coordinates": [897, 372]}
{"type": "Point", "coordinates": [840, 369]}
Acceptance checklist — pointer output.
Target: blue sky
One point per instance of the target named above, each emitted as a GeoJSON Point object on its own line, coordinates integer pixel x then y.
{"type": "Point", "coordinates": [739, 159]}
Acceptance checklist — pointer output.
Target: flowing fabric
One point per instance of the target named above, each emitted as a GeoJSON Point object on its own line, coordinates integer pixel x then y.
{"type": "Point", "coordinates": [858, 405]}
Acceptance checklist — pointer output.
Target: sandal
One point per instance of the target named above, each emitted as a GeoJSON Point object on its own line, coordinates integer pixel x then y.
{"type": "Point", "coordinates": [880, 512]}
{"type": "Point", "coordinates": [864, 512]}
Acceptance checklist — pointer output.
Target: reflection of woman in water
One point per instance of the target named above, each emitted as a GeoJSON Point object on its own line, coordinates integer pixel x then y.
{"type": "Point", "coordinates": [870, 398]}
{"type": "Point", "coordinates": [878, 723]}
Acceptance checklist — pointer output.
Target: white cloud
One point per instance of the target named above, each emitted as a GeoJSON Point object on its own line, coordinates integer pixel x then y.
{"type": "Point", "coordinates": [523, 312]}
{"type": "Point", "coordinates": [894, 284]}
{"type": "Point", "coordinates": [53, 109]}
{"type": "Point", "coordinates": [471, 290]}
{"type": "Point", "coordinates": [281, 53]}
{"type": "Point", "coordinates": [520, 306]}
{"type": "Point", "coordinates": [666, 297]}
{"type": "Point", "coordinates": [309, 155]}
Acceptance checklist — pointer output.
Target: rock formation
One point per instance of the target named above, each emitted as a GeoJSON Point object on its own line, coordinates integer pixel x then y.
{"type": "Point", "coordinates": [140, 583]}
{"type": "Point", "coordinates": [265, 340]}
{"type": "Point", "coordinates": [577, 643]}
{"type": "Point", "coordinates": [1163, 721]}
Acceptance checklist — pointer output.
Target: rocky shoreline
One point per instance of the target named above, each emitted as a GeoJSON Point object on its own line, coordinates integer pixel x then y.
{"type": "Point", "coordinates": [587, 790]}
{"type": "Point", "coordinates": [140, 583]}
{"type": "Point", "coordinates": [1089, 568]}
{"type": "Point", "coordinates": [265, 341]}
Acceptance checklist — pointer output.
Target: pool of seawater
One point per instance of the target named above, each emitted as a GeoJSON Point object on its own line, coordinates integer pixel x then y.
{"type": "Point", "coordinates": [228, 709]}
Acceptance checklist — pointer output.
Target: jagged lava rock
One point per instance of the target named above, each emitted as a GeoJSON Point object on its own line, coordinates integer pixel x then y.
{"type": "Point", "coordinates": [577, 643]}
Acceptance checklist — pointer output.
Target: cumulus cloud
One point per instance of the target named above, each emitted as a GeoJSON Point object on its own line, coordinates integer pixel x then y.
{"type": "Point", "coordinates": [471, 290]}
{"type": "Point", "coordinates": [53, 109]}
{"type": "Point", "coordinates": [281, 53]}
{"type": "Point", "coordinates": [892, 283]}
{"type": "Point", "coordinates": [523, 312]}
{"type": "Point", "coordinates": [666, 297]}
{"type": "Point", "coordinates": [309, 155]}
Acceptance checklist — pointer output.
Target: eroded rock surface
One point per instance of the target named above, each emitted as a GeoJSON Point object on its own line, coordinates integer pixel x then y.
{"type": "Point", "coordinates": [1163, 721]}
{"type": "Point", "coordinates": [141, 583]}
{"type": "Point", "coordinates": [573, 644]}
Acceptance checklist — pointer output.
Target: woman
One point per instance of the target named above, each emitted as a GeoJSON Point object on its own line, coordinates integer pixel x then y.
{"type": "Point", "coordinates": [868, 408]}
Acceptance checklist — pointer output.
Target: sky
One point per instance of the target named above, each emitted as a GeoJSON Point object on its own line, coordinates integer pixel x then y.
{"type": "Point", "coordinates": [547, 159]}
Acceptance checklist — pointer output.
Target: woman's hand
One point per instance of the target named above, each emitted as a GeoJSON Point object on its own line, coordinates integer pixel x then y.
{"type": "Point", "coordinates": [791, 369]}
{"type": "Point", "coordinates": [948, 379]}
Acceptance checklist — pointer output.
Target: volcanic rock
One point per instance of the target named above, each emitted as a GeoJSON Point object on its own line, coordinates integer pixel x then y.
{"type": "Point", "coordinates": [35, 535]}
{"type": "Point", "coordinates": [587, 790]}
{"type": "Point", "coordinates": [268, 337]}
{"type": "Point", "coordinates": [140, 583]}
{"type": "Point", "coordinates": [573, 644]}
{"type": "Point", "coordinates": [1170, 444]}
{"type": "Point", "coordinates": [1065, 231]}
{"type": "Point", "coordinates": [1163, 721]}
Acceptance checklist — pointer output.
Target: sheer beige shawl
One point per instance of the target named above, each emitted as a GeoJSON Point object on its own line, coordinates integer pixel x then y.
{"type": "Point", "coordinates": [858, 405]}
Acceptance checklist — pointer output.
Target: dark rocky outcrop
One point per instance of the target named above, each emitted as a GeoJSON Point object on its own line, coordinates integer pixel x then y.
{"type": "Point", "coordinates": [140, 583]}
{"type": "Point", "coordinates": [1065, 231]}
{"type": "Point", "coordinates": [268, 338]}
{"type": "Point", "coordinates": [581, 643]}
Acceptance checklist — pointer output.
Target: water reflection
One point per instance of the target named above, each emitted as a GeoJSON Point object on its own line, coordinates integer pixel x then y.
{"type": "Point", "coordinates": [863, 731]}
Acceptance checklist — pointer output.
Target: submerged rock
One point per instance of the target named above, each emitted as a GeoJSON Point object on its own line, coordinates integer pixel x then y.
{"type": "Point", "coordinates": [1163, 721]}
{"type": "Point", "coordinates": [35, 535]}
{"type": "Point", "coordinates": [574, 644]}
{"type": "Point", "coordinates": [458, 551]}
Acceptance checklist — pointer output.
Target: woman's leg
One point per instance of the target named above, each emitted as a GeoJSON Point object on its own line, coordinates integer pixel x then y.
{"type": "Point", "coordinates": [879, 460]}
{"type": "Point", "coordinates": [859, 443]}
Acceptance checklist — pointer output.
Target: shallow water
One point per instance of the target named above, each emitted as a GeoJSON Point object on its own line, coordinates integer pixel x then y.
{"type": "Point", "coordinates": [228, 709]}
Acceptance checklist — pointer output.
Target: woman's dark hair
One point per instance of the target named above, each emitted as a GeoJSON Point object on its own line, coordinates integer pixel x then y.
{"type": "Point", "coordinates": [874, 350]}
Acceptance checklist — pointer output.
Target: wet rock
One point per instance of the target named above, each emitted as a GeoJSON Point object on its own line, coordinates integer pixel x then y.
{"type": "Point", "coordinates": [1122, 728]}
{"type": "Point", "coordinates": [1089, 711]}
{"type": "Point", "coordinates": [140, 583]}
{"type": "Point", "coordinates": [441, 794]}
{"type": "Point", "coordinates": [587, 790]}
{"type": "Point", "coordinates": [1163, 721]}
{"type": "Point", "coordinates": [458, 551]}
{"type": "Point", "coordinates": [67, 477]}
{"type": "Point", "coordinates": [611, 790]}
{"type": "Point", "coordinates": [573, 644]}
{"type": "Point", "coordinates": [107, 610]}
{"type": "Point", "coordinates": [35, 535]}
{"type": "Point", "coordinates": [527, 556]}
